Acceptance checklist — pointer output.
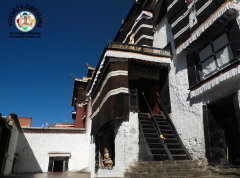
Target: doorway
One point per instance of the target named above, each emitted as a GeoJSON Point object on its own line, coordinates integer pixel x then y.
{"type": "Point", "coordinates": [151, 83]}
{"type": "Point", "coordinates": [149, 88]}
{"type": "Point", "coordinates": [58, 164]}
{"type": "Point", "coordinates": [223, 136]}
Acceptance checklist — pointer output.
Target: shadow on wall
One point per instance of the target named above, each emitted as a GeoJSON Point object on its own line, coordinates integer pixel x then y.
{"type": "Point", "coordinates": [26, 161]}
{"type": "Point", "coordinates": [179, 61]}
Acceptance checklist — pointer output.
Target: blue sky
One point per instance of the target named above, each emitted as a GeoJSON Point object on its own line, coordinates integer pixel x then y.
{"type": "Point", "coordinates": [35, 74]}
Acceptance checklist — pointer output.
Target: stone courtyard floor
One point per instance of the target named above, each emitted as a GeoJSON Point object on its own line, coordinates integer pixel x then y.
{"type": "Point", "coordinates": [50, 175]}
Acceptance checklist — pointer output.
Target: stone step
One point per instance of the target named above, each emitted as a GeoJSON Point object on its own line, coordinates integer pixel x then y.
{"type": "Point", "coordinates": [155, 135]}
{"type": "Point", "coordinates": [233, 170]}
{"type": "Point", "coordinates": [168, 168]}
{"type": "Point", "coordinates": [166, 131]}
{"type": "Point", "coordinates": [212, 176]}
{"type": "Point", "coordinates": [160, 119]}
{"type": "Point", "coordinates": [228, 172]}
{"type": "Point", "coordinates": [169, 174]}
{"type": "Point", "coordinates": [169, 163]}
{"type": "Point", "coordinates": [147, 130]}
{"type": "Point", "coordinates": [162, 122]}
{"type": "Point", "coordinates": [172, 151]}
{"type": "Point", "coordinates": [147, 126]}
{"type": "Point", "coordinates": [145, 121]}
{"type": "Point", "coordinates": [151, 135]}
{"type": "Point", "coordinates": [162, 126]}
{"type": "Point", "coordinates": [163, 157]}
{"type": "Point", "coordinates": [157, 140]}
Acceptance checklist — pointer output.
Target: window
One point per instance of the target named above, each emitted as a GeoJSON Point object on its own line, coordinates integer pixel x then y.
{"type": "Point", "coordinates": [215, 55]}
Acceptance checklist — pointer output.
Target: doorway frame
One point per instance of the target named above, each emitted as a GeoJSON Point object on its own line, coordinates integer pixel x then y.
{"type": "Point", "coordinates": [58, 157]}
{"type": "Point", "coordinates": [206, 110]}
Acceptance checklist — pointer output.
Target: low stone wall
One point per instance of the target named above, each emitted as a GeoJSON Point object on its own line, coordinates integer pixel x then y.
{"type": "Point", "coordinates": [34, 148]}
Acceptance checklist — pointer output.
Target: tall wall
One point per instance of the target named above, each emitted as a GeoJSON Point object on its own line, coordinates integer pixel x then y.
{"type": "Point", "coordinates": [33, 150]}
{"type": "Point", "coordinates": [88, 137]}
{"type": "Point", "coordinates": [187, 114]}
{"type": "Point", "coordinates": [11, 149]}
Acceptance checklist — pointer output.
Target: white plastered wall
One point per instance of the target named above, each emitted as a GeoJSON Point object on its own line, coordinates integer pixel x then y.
{"type": "Point", "coordinates": [187, 113]}
{"type": "Point", "coordinates": [34, 148]}
{"type": "Point", "coordinates": [11, 149]}
{"type": "Point", "coordinates": [126, 147]}
{"type": "Point", "coordinates": [131, 140]}
{"type": "Point", "coordinates": [88, 138]}
{"type": "Point", "coordinates": [187, 118]}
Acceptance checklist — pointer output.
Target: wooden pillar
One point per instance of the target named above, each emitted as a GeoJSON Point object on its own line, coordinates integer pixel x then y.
{"type": "Point", "coordinates": [206, 133]}
{"type": "Point", "coordinates": [79, 115]}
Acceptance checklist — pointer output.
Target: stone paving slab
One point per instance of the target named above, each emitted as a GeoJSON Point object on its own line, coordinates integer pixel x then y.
{"type": "Point", "coordinates": [50, 175]}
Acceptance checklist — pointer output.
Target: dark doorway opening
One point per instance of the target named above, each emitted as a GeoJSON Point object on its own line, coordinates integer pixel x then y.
{"type": "Point", "coordinates": [149, 88]}
{"type": "Point", "coordinates": [5, 134]}
{"type": "Point", "coordinates": [223, 136]}
{"type": "Point", "coordinates": [150, 83]}
{"type": "Point", "coordinates": [58, 166]}
{"type": "Point", "coordinates": [106, 146]}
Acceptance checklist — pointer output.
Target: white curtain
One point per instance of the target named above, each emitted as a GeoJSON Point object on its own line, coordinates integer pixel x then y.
{"type": "Point", "coordinates": [223, 56]}
{"type": "Point", "coordinates": [209, 66]}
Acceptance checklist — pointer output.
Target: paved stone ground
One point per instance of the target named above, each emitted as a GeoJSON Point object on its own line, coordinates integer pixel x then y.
{"type": "Point", "coordinates": [50, 175]}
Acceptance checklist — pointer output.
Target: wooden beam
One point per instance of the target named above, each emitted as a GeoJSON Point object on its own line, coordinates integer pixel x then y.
{"type": "Point", "coordinates": [143, 74]}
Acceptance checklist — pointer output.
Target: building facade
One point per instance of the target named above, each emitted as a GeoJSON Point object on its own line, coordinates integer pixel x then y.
{"type": "Point", "coordinates": [61, 146]}
{"type": "Point", "coordinates": [166, 88]}
{"type": "Point", "coordinates": [175, 60]}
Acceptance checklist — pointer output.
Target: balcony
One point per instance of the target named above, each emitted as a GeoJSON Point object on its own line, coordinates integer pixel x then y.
{"type": "Point", "coordinates": [140, 49]}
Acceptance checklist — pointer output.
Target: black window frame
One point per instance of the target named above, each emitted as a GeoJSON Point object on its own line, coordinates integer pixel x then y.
{"type": "Point", "coordinates": [194, 68]}
{"type": "Point", "coordinates": [214, 53]}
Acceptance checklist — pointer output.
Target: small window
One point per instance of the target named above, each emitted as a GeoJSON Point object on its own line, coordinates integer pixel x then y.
{"type": "Point", "coordinates": [215, 56]}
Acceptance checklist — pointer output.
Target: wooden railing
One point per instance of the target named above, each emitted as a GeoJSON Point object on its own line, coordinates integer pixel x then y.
{"type": "Point", "coordinates": [155, 124]}
{"type": "Point", "coordinates": [142, 49]}
{"type": "Point", "coordinates": [169, 120]}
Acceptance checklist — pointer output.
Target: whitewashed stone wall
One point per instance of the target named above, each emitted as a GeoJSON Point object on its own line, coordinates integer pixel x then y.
{"type": "Point", "coordinates": [92, 157]}
{"type": "Point", "coordinates": [118, 169]}
{"type": "Point", "coordinates": [11, 149]}
{"type": "Point", "coordinates": [187, 114]}
{"type": "Point", "coordinates": [88, 138]}
{"type": "Point", "coordinates": [126, 147]}
{"type": "Point", "coordinates": [131, 140]}
{"type": "Point", "coordinates": [33, 150]}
